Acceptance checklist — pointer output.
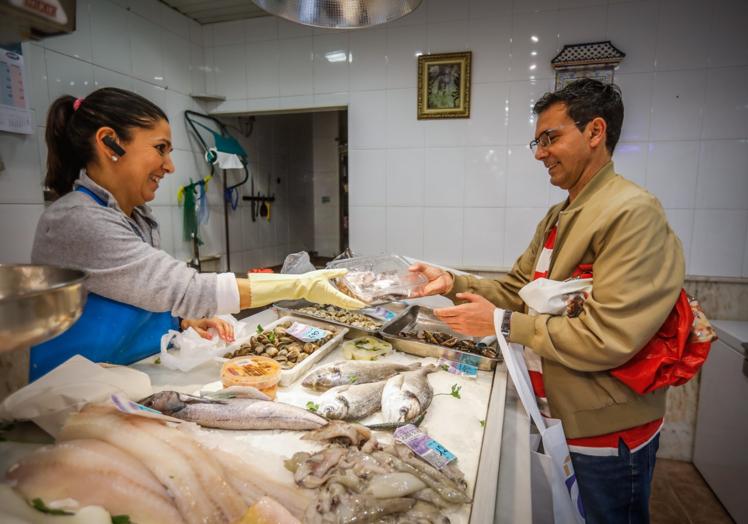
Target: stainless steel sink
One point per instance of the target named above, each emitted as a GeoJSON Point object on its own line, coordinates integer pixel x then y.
{"type": "Point", "coordinates": [38, 303]}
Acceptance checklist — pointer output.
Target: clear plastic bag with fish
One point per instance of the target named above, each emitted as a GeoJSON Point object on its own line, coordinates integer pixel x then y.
{"type": "Point", "coordinates": [378, 279]}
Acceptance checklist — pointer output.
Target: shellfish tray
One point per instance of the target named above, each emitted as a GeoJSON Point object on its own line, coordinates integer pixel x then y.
{"type": "Point", "coordinates": [288, 376]}
{"type": "Point", "coordinates": [302, 308]}
{"type": "Point", "coordinates": [419, 332]}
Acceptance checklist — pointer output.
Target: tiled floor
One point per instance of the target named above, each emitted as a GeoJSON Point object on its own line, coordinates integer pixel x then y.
{"type": "Point", "coordinates": [680, 496]}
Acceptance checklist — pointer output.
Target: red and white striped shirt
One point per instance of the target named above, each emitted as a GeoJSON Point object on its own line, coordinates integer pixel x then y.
{"type": "Point", "coordinates": [600, 445]}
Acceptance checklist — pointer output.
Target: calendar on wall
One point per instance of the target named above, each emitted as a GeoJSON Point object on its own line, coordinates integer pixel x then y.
{"type": "Point", "coordinates": [15, 116]}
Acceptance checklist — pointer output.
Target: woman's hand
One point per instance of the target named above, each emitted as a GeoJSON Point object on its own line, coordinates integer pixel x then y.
{"type": "Point", "coordinates": [440, 282]}
{"type": "Point", "coordinates": [201, 325]}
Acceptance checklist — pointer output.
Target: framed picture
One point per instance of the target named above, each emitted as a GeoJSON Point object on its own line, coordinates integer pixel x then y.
{"type": "Point", "coordinates": [444, 85]}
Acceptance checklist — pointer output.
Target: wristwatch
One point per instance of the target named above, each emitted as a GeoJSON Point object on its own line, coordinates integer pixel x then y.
{"type": "Point", "coordinates": [506, 323]}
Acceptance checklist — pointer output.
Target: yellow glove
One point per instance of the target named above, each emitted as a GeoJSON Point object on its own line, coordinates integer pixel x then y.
{"type": "Point", "coordinates": [314, 286]}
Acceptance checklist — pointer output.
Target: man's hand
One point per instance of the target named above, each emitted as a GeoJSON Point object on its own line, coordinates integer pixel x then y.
{"type": "Point", "coordinates": [475, 318]}
{"type": "Point", "coordinates": [201, 325]}
{"type": "Point", "coordinates": [440, 282]}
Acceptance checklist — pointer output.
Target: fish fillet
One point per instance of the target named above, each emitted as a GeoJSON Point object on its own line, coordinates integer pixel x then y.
{"type": "Point", "coordinates": [252, 484]}
{"type": "Point", "coordinates": [94, 473]}
{"type": "Point", "coordinates": [168, 464]}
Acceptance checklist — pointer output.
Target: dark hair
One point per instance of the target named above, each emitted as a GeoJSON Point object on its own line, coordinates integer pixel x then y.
{"type": "Point", "coordinates": [70, 129]}
{"type": "Point", "coordinates": [586, 99]}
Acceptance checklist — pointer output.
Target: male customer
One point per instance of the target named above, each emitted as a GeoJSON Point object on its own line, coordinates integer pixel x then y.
{"type": "Point", "coordinates": [617, 232]}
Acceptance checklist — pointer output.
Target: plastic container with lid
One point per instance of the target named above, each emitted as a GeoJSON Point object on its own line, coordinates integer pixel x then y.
{"type": "Point", "coordinates": [378, 279]}
{"type": "Point", "coordinates": [259, 372]}
{"type": "Point", "coordinates": [365, 348]}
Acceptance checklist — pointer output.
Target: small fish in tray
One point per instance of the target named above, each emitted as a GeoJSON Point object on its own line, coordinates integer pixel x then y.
{"type": "Point", "coordinates": [450, 341]}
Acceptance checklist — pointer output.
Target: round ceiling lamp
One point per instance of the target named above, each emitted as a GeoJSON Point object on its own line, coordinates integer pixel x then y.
{"type": "Point", "coordinates": [339, 14]}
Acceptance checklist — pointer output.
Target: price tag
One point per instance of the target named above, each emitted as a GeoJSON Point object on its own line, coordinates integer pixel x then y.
{"type": "Point", "coordinates": [306, 333]}
{"type": "Point", "coordinates": [424, 446]}
{"type": "Point", "coordinates": [462, 369]}
{"type": "Point", "coordinates": [379, 313]}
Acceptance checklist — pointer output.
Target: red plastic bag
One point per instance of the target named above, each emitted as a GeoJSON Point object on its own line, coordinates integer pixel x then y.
{"type": "Point", "coordinates": [675, 354]}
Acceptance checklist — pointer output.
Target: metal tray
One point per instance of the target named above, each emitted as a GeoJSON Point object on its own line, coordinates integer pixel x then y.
{"type": "Point", "coordinates": [291, 307]}
{"type": "Point", "coordinates": [420, 317]}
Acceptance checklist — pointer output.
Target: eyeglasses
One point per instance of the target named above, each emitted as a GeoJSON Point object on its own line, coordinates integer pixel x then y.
{"type": "Point", "coordinates": [544, 140]}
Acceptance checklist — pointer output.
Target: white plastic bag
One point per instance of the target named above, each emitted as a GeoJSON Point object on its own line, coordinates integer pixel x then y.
{"type": "Point", "coordinates": [189, 350]}
{"type": "Point", "coordinates": [553, 297]}
{"type": "Point", "coordinates": [552, 473]}
{"type": "Point", "coordinates": [67, 388]}
{"type": "Point", "coordinates": [297, 264]}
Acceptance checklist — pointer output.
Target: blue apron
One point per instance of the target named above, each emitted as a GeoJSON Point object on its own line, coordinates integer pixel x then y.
{"type": "Point", "coordinates": [107, 331]}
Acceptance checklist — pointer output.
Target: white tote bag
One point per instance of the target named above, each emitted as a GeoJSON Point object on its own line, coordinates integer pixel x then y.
{"type": "Point", "coordinates": [555, 490]}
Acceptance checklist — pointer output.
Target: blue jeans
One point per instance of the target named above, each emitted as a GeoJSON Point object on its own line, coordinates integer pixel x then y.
{"type": "Point", "coordinates": [616, 489]}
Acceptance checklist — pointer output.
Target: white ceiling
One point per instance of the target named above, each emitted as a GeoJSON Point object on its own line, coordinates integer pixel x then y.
{"type": "Point", "coordinates": [213, 11]}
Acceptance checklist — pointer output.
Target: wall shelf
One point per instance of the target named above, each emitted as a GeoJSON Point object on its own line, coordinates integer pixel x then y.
{"type": "Point", "coordinates": [207, 97]}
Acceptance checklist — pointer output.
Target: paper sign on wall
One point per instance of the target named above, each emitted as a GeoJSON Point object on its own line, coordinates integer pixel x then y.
{"type": "Point", "coordinates": [15, 116]}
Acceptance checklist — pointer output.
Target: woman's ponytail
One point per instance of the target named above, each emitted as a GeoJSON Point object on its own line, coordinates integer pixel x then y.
{"type": "Point", "coordinates": [63, 165]}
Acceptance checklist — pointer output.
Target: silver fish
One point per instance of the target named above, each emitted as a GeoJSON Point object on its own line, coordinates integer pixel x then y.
{"type": "Point", "coordinates": [353, 372]}
{"type": "Point", "coordinates": [351, 402]}
{"type": "Point", "coordinates": [407, 395]}
{"type": "Point", "coordinates": [233, 413]}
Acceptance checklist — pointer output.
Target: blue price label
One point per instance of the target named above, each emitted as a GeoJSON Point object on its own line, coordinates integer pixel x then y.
{"type": "Point", "coordinates": [470, 360]}
{"type": "Point", "coordinates": [444, 452]}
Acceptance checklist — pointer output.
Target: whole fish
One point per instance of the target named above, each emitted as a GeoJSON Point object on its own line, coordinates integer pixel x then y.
{"type": "Point", "coordinates": [353, 372]}
{"type": "Point", "coordinates": [407, 395]}
{"type": "Point", "coordinates": [351, 402]}
{"type": "Point", "coordinates": [234, 413]}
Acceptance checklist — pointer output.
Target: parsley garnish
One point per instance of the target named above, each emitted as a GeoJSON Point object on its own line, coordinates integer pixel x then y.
{"type": "Point", "coordinates": [311, 406]}
{"type": "Point", "coordinates": [456, 391]}
{"type": "Point", "coordinates": [39, 505]}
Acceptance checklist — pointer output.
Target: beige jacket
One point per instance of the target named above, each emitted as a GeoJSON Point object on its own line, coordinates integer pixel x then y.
{"type": "Point", "coordinates": [638, 272]}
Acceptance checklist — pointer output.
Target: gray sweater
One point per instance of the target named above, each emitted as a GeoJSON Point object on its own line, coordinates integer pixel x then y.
{"type": "Point", "coordinates": [121, 254]}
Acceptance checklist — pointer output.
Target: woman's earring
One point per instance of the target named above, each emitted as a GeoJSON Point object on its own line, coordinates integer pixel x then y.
{"type": "Point", "coordinates": [115, 158]}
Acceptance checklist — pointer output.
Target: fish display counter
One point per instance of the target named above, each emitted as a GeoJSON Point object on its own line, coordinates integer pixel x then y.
{"type": "Point", "coordinates": [429, 443]}
{"type": "Point", "coordinates": [490, 443]}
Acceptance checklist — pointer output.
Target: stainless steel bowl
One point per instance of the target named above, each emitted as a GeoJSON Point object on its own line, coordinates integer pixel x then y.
{"type": "Point", "coordinates": [38, 303]}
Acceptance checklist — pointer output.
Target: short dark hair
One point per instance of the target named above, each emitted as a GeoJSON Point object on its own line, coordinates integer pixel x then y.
{"type": "Point", "coordinates": [72, 124]}
{"type": "Point", "coordinates": [586, 99]}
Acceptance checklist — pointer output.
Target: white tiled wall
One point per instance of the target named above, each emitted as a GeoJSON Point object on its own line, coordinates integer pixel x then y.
{"type": "Point", "coordinates": [139, 45]}
{"type": "Point", "coordinates": [685, 135]}
{"type": "Point", "coordinates": [684, 81]}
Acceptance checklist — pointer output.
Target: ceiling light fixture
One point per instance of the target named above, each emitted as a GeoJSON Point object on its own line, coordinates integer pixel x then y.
{"type": "Point", "coordinates": [339, 14]}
